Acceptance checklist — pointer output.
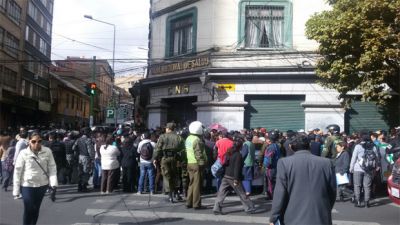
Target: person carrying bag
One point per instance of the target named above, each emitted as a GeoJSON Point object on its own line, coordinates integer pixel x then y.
{"type": "Point", "coordinates": [35, 170]}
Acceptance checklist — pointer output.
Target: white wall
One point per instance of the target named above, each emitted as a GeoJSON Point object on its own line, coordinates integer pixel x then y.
{"type": "Point", "coordinates": [218, 24]}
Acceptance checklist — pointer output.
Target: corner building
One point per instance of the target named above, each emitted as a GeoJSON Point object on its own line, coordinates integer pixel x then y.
{"type": "Point", "coordinates": [243, 64]}
{"type": "Point", "coordinates": [25, 48]}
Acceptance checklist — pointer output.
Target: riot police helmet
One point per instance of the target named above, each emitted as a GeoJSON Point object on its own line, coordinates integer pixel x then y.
{"type": "Point", "coordinates": [333, 128]}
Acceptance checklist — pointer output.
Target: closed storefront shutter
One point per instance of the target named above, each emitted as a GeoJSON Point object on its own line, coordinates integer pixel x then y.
{"type": "Point", "coordinates": [283, 112]}
{"type": "Point", "coordinates": [364, 116]}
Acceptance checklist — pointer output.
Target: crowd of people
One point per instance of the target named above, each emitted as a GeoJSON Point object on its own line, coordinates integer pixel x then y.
{"type": "Point", "coordinates": [178, 162]}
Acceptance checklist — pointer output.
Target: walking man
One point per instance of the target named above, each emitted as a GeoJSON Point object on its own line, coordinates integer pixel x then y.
{"type": "Point", "coordinates": [305, 188]}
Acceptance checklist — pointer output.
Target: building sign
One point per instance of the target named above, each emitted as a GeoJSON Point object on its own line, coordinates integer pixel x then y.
{"type": "Point", "coordinates": [178, 90]}
{"type": "Point", "coordinates": [44, 106]}
{"type": "Point", "coordinates": [182, 66]}
{"type": "Point", "coordinates": [226, 87]}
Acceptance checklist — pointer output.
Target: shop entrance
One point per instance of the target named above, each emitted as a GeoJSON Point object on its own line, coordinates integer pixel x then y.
{"type": "Point", "coordinates": [181, 110]}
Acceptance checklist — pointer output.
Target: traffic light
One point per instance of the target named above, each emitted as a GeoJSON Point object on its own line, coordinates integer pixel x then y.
{"type": "Point", "coordinates": [93, 88]}
{"type": "Point", "coordinates": [87, 89]}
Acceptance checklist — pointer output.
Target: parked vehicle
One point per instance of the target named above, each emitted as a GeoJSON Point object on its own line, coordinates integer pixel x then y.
{"type": "Point", "coordinates": [393, 183]}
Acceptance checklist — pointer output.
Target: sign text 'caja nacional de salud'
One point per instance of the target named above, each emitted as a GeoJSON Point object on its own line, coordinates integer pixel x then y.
{"type": "Point", "coordinates": [181, 66]}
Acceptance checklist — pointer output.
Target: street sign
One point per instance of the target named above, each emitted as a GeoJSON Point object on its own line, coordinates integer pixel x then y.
{"type": "Point", "coordinates": [226, 87]}
{"type": "Point", "coordinates": [110, 113]}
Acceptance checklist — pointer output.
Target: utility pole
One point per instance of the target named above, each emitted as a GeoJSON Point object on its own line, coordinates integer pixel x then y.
{"type": "Point", "coordinates": [92, 95]}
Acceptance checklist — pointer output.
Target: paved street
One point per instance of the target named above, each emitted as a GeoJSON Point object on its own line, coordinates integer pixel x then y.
{"type": "Point", "coordinates": [123, 209]}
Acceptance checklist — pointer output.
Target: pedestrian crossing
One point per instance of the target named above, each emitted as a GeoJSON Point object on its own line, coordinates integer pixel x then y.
{"type": "Point", "coordinates": [146, 207]}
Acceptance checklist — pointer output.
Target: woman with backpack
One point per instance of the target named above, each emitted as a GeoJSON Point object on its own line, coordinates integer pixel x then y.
{"type": "Point", "coordinates": [363, 163]}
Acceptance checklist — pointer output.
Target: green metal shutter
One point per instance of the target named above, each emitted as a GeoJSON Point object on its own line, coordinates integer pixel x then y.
{"type": "Point", "coordinates": [364, 116]}
{"type": "Point", "coordinates": [283, 112]}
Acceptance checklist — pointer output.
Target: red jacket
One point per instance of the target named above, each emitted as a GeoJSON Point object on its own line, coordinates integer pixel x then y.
{"type": "Point", "coordinates": [223, 145]}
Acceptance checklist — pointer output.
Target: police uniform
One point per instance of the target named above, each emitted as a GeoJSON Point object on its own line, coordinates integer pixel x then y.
{"type": "Point", "coordinates": [196, 159]}
{"type": "Point", "coordinates": [167, 149]}
{"type": "Point", "coordinates": [329, 150]}
{"type": "Point", "coordinates": [86, 151]}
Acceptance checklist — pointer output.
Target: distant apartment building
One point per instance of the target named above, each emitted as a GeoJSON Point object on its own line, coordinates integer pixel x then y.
{"type": "Point", "coordinates": [244, 64]}
{"type": "Point", "coordinates": [79, 72]}
{"type": "Point", "coordinates": [25, 48]}
{"type": "Point", "coordinates": [70, 104]}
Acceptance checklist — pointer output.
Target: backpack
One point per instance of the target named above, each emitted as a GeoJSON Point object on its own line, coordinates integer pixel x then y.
{"type": "Point", "coordinates": [146, 152]}
{"type": "Point", "coordinates": [369, 160]}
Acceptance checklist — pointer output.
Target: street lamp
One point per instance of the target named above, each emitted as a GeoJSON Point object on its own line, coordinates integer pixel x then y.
{"type": "Point", "coordinates": [113, 61]}
{"type": "Point", "coordinates": [91, 18]}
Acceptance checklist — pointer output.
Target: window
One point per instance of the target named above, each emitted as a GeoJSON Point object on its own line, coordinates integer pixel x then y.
{"type": "Point", "coordinates": [27, 33]}
{"type": "Point", "coordinates": [43, 46]}
{"type": "Point", "coordinates": [48, 28]}
{"type": "Point", "coordinates": [30, 64]}
{"type": "Point", "coordinates": [11, 44]}
{"type": "Point", "coordinates": [73, 102]}
{"type": "Point", "coordinates": [30, 90]}
{"type": "Point", "coordinates": [23, 87]}
{"type": "Point", "coordinates": [3, 5]}
{"type": "Point", "coordinates": [32, 11]}
{"type": "Point", "coordinates": [2, 31]}
{"type": "Point", "coordinates": [14, 11]}
{"type": "Point", "coordinates": [266, 24]}
{"type": "Point", "coordinates": [181, 33]}
{"type": "Point", "coordinates": [43, 94]}
{"type": "Point", "coordinates": [50, 7]}
{"type": "Point", "coordinates": [67, 101]}
{"type": "Point", "coordinates": [10, 78]}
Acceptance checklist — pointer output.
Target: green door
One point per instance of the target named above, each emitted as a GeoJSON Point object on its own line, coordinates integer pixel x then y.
{"type": "Point", "coordinates": [283, 112]}
{"type": "Point", "coordinates": [364, 116]}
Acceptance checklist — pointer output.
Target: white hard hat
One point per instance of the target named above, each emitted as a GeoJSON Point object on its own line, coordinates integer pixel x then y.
{"type": "Point", "coordinates": [196, 127]}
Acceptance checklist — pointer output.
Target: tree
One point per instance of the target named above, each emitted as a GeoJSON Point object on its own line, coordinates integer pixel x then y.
{"type": "Point", "coordinates": [359, 47]}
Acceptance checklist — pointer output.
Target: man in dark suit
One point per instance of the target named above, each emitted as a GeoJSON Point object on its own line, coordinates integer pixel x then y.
{"type": "Point", "coordinates": [305, 190]}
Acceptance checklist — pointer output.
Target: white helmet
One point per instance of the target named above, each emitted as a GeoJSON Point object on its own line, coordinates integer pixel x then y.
{"type": "Point", "coordinates": [196, 127]}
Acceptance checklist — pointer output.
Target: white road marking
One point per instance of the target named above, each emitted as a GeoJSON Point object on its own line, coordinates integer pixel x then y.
{"type": "Point", "coordinates": [244, 219]}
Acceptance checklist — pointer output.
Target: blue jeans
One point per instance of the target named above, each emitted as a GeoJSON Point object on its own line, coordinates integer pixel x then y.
{"type": "Point", "coordinates": [32, 198]}
{"type": "Point", "coordinates": [247, 185]}
{"type": "Point", "coordinates": [97, 173]}
{"type": "Point", "coordinates": [149, 169]}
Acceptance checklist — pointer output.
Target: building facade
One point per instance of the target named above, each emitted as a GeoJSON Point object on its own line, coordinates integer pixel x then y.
{"type": "Point", "coordinates": [82, 71]}
{"type": "Point", "coordinates": [25, 46]}
{"type": "Point", "coordinates": [243, 64]}
{"type": "Point", "coordinates": [70, 104]}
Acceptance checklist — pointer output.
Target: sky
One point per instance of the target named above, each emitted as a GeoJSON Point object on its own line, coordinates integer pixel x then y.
{"type": "Point", "coordinates": [74, 35]}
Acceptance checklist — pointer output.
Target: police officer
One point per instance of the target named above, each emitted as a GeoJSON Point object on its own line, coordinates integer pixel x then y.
{"type": "Point", "coordinates": [329, 150]}
{"type": "Point", "coordinates": [85, 147]}
{"type": "Point", "coordinates": [167, 149]}
{"type": "Point", "coordinates": [197, 159]}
